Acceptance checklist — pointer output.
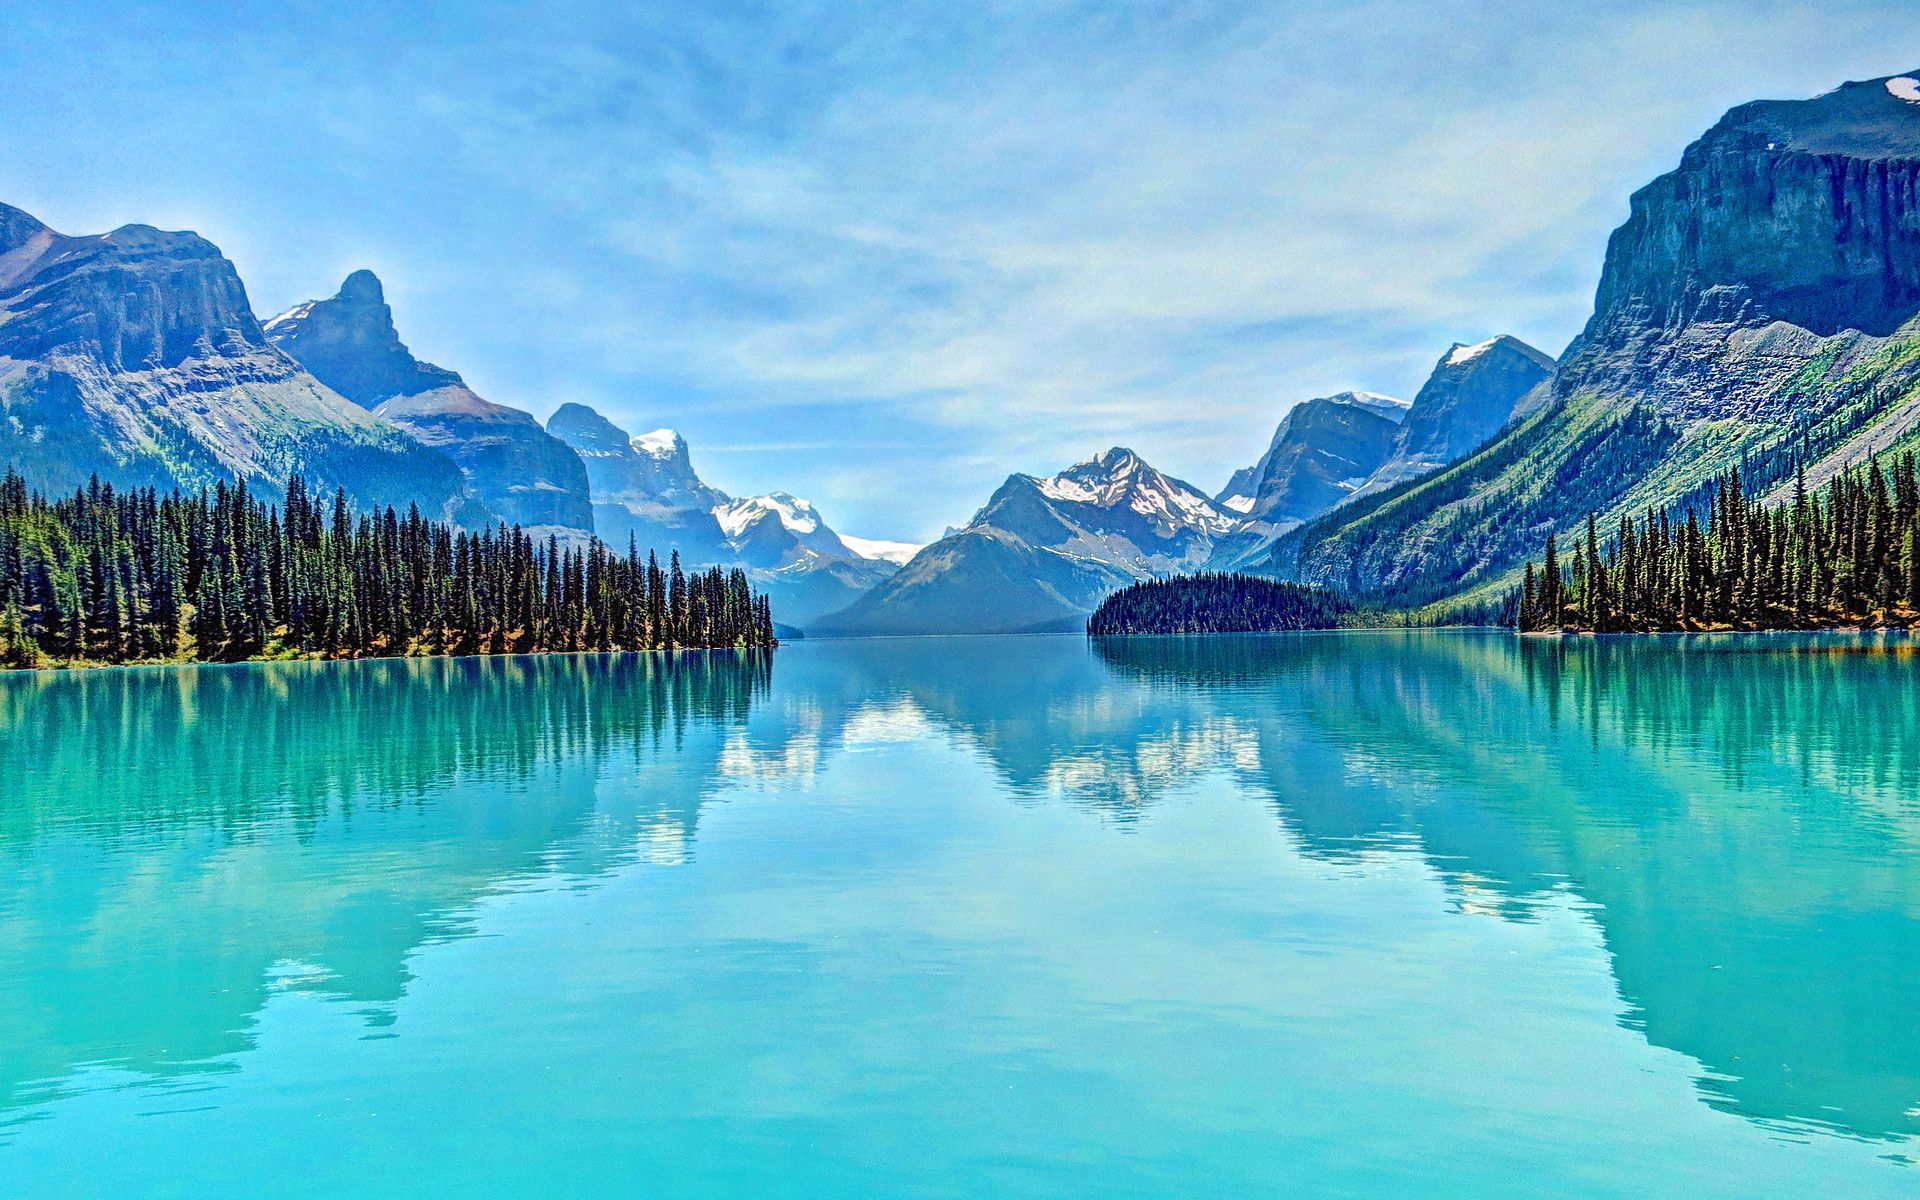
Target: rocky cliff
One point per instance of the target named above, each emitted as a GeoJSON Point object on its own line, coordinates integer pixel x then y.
{"type": "Point", "coordinates": [519, 472]}
{"type": "Point", "coordinates": [1757, 307]}
{"type": "Point", "coordinates": [134, 355]}
{"type": "Point", "coordinates": [1323, 451]}
{"type": "Point", "coordinates": [1472, 393]}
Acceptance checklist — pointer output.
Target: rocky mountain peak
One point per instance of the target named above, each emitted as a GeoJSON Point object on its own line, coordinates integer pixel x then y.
{"type": "Point", "coordinates": [136, 298]}
{"type": "Point", "coordinates": [1798, 211]}
{"type": "Point", "coordinates": [586, 430]}
{"type": "Point", "coordinates": [651, 472]}
{"type": "Point", "coordinates": [363, 289]}
{"type": "Point", "coordinates": [350, 343]}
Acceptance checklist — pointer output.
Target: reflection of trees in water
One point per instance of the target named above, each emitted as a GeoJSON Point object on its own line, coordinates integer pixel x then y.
{"type": "Point", "coordinates": [1739, 817]}
{"type": "Point", "coordinates": [1741, 814]}
{"type": "Point", "coordinates": [1840, 710]}
{"type": "Point", "coordinates": [230, 745]}
{"type": "Point", "coordinates": [352, 812]}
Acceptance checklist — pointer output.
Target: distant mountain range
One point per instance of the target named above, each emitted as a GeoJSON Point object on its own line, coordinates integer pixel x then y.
{"type": "Point", "coordinates": [1043, 553]}
{"type": "Point", "coordinates": [1757, 309]}
{"type": "Point", "coordinates": [645, 489]}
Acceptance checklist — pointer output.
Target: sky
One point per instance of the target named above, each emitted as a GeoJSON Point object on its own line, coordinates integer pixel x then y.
{"type": "Point", "coordinates": [883, 255]}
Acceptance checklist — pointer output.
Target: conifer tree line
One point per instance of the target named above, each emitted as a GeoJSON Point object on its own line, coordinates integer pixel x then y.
{"type": "Point", "coordinates": [1847, 556]}
{"type": "Point", "coordinates": [1215, 603]}
{"type": "Point", "coordinates": [111, 576]}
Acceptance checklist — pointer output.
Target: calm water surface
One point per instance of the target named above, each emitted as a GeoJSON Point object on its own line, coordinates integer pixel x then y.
{"type": "Point", "coordinates": [1328, 915]}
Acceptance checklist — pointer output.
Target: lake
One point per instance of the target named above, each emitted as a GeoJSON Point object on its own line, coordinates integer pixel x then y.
{"type": "Point", "coordinates": [1368, 914]}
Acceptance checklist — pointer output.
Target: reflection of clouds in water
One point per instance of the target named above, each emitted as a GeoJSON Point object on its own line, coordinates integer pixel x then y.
{"type": "Point", "coordinates": [1130, 777]}
{"type": "Point", "coordinates": [793, 763]}
{"type": "Point", "coordinates": [874, 724]}
{"type": "Point", "coordinates": [663, 842]}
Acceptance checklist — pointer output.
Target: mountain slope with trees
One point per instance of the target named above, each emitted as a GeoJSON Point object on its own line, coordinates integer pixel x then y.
{"type": "Point", "coordinates": [1756, 310]}
{"type": "Point", "coordinates": [1848, 555]}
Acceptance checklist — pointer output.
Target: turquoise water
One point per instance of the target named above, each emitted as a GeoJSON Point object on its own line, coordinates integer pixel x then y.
{"type": "Point", "coordinates": [1325, 915]}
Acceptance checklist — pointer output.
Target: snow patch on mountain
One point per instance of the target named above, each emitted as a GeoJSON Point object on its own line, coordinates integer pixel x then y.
{"type": "Point", "coordinates": [1466, 354]}
{"type": "Point", "coordinates": [661, 443]}
{"type": "Point", "coordinates": [292, 316]}
{"type": "Point", "coordinates": [881, 550]}
{"type": "Point", "coordinates": [791, 511]}
{"type": "Point", "coordinates": [1905, 87]}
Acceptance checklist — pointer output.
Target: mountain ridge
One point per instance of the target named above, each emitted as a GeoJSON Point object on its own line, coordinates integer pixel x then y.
{"type": "Point", "coordinates": [521, 474]}
{"type": "Point", "coordinates": [1043, 552]}
{"type": "Point", "coordinates": [135, 356]}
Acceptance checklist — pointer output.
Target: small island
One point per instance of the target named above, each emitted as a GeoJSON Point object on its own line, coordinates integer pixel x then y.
{"type": "Point", "coordinates": [1216, 603]}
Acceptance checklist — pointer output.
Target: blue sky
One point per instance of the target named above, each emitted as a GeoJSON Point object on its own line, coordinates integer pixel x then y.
{"type": "Point", "coordinates": [883, 255]}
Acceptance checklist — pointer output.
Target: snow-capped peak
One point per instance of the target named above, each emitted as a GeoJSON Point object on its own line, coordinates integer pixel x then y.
{"type": "Point", "coordinates": [1466, 354]}
{"type": "Point", "coordinates": [1905, 87]}
{"type": "Point", "coordinates": [661, 443]}
{"type": "Point", "coordinates": [1119, 477]}
{"type": "Point", "coordinates": [791, 511]}
{"type": "Point", "coordinates": [1387, 406]}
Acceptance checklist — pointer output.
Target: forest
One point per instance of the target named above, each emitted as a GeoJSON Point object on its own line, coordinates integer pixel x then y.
{"type": "Point", "coordinates": [1215, 603]}
{"type": "Point", "coordinates": [1847, 556]}
{"type": "Point", "coordinates": [106, 576]}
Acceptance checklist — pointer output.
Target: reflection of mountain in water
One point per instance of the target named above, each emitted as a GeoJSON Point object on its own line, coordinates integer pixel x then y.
{"type": "Point", "coordinates": [1740, 820]}
{"type": "Point", "coordinates": [163, 885]}
{"type": "Point", "coordinates": [1743, 817]}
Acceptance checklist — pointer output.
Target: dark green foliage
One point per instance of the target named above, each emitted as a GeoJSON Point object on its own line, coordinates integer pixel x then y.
{"type": "Point", "coordinates": [111, 577]}
{"type": "Point", "coordinates": [1433, 537]}
{"type": "Point", "coordinates": [1216, 604]}
{"type": "Point", "coordinates": [1847, 556]}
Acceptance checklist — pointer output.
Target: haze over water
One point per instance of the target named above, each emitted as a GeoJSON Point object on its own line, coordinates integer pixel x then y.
{"type": "Point", "coordinates": [1411, 914]}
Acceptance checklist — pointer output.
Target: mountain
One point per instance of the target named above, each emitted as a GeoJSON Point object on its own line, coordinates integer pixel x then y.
{"type": "Point", "coordinates": [1322, 452]}
{"type": "Point", "coordinates": [135, 355]}
{"type": "Point", "coordinates": [1043, 553]}
{"type": "Point", "coordinates": [1756, 308]}
{"type": "Point", "coordinates": [522, 474]}
{"type": "Point", "coordinates": [1470, 396]}
{"type": "Point", "coordinates": [646, 488]}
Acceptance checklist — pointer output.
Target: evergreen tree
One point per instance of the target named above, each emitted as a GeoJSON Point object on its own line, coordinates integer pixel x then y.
{"type": "Point", "coordinates": [104, 576]}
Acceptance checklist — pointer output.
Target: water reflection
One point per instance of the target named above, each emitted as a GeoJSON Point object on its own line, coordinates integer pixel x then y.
{"type": "Point", "coordinates": [1738, 816]}
{"type": "Point", "coordinates": [1741, 817]}
{"type": "Point", "coordinates": [178, 845]}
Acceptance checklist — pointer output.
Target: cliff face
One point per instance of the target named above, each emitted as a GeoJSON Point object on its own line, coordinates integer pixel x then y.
{"type": "Point", "coordinates": [1804, 213]}
{"type": "Point", "coordinates": [1758, 306]}
{"type": "Point", "coordinates": [646, 489]}
{"type": "Point", "coordinates": [1322, 452]}
{"type": "Point", "coordinates": [1471, 395]}
{"type": "Point", "coordinates": [134, 355]}
{"type": "Point", "coordinates": [519, 472]}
